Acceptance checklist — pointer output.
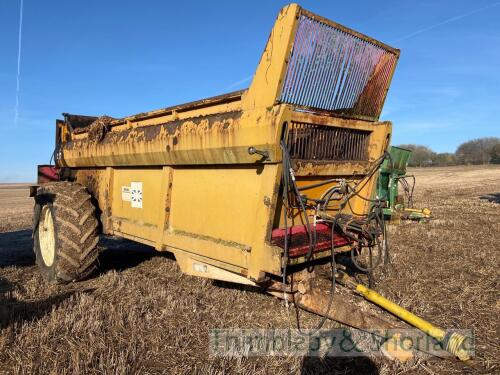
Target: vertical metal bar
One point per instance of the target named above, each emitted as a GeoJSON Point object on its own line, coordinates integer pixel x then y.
{"type": "Point", "coordinates": [305, 54]}
{"type": "Point", "coordinates": [360, 66]}
{"type": "Point", "coordinates": [353, 66]}
{"type": "Point", "coordinates": [322, 65]}
{"type": "Point", "coordinates": [305, 94]}
{"type": "Point", "coordinates": [371, 59]}
{"type": "Point", "coordinates": [331, 58]}
{"type": "Point", "coordinates": [330, 68]}
{"type": "Point", "coordinates": [296, 59]}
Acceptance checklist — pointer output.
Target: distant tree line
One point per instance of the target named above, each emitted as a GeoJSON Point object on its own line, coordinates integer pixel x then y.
{"type": "Point", "coordinates": [477, 151]}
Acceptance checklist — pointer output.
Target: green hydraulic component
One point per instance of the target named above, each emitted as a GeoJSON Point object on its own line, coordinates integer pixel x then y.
{"type": "Point", "coordinates": [392, 174]}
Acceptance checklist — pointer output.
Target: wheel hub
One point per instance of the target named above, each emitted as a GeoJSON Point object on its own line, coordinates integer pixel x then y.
{"type": "Point", "coordinates": [46, 237]}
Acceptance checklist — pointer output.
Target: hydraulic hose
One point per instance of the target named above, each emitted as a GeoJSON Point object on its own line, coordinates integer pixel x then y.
{"type": "Point", "coordinates": [289, 178]}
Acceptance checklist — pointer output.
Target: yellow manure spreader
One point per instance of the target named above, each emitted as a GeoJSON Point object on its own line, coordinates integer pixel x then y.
{"type": "Point", "coordinates": [253, 187]}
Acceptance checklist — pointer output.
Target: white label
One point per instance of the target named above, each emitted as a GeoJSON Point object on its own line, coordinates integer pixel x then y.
{"type": "Point", "coordinates": [126, 196]}
{"type": "Point", "coordinates": [197, 267]}
{"type": "Point", "coordinates": [136, 194]}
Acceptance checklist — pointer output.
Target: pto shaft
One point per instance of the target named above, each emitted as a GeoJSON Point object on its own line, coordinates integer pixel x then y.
{"type": "Point", "coordinates": [452, 342]}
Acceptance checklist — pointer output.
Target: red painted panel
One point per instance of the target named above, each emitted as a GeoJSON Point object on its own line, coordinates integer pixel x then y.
{"type": "Point", "coordinates": [47, 173]}
{"type": "Point", "coordinates": [299, 240]}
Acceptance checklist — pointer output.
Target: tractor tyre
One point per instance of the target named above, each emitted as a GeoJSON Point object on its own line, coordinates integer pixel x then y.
{"type": "Point", "coordinates": [65, 232]}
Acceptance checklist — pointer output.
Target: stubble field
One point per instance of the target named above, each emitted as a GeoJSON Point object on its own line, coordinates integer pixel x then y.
{"type": "Point", "coordinates": [139, 314]}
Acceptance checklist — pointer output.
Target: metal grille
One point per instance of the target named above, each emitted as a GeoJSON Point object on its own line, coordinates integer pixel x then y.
{"type": "Point", "coordinates": [326, 143]}
{"type": "Point", "coordinates": [335, 69]}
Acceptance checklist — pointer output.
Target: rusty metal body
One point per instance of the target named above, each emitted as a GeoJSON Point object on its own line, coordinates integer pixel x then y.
{"type": "Point", "coordinates": [182, 179]}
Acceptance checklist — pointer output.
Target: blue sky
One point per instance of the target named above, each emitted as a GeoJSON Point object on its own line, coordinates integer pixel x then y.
{"type": "Point", "coordinates": [120, 57]}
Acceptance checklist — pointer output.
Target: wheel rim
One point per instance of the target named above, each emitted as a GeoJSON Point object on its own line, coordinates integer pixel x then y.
{"type": "Point", "coordinates": [46, 237]}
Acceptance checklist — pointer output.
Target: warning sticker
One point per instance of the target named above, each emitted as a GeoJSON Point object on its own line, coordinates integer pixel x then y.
{"type": "Point", "coordinates": [133, 194]}
{"type": "Point", "coordinates": [126, 195]}
{"type": "Point", "coordinates": [136, 194]}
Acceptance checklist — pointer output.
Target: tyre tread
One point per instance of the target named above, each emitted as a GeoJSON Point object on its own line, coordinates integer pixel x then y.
{"type": "Point", "coordinates": [77, 230]}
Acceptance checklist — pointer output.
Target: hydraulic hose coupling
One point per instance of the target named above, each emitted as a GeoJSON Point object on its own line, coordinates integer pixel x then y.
{"type": "Point", "coordinates": [265, 154]}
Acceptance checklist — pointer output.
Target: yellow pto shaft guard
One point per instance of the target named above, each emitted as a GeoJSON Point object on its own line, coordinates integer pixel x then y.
{"type": "Point", "coordinates": [452, 342]}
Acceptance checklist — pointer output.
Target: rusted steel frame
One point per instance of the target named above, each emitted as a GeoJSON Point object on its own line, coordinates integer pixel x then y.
{"type": "Point", "coordinates": [310, 167]}
{"type": "Point", "coordinates": [58, 136]}
{"type": "Point", "coordinates": [321, 117]}
{"type": "Point", "coordinates": [323, 146]}
{"type": "Point", "coordinates": [152, 132]}
{"type": "Point", "coordinates": [372, 98]}
{"type": "Point", "coordinates": [389, 81]}
{"type": "Point", "coordinates": [357, 90]}
{"type": "Point", "coordinates": [375, 105]}
{"type": "Point", "coordinates": [365, 77]}
{"type": "Point", "coordinates": [345, 310]}
{"type": "Point", "coordinates": [214, 100]}
{"type": "Point", "coordinates": [300, 260]}
{"type": "Point", "coordinates": [78, 121]}
{"type": "Point", "coordinates": [335, 113]}
{"type": "Point", "coordinates": [341, 310]}
{"type": "Point", "coordinates": [349, 31]}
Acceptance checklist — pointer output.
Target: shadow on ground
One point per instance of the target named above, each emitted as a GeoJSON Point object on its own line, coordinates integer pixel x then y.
{"type": "Point", "coordinates": [16, 249]}
{"type": "Point", "coordinates": [331, 365]}
{"type": "Point", "coordinates": [14, 311]}
{"type": "Point", "coordinates": [493, 197]}
{"type": "Point", "coordinates": [120, 254]}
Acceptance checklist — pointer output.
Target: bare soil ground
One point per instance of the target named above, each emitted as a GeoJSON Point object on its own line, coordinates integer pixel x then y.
{"type": "Point", "coordinates": [141, 315]}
